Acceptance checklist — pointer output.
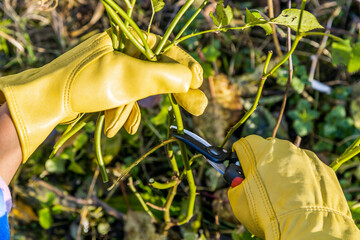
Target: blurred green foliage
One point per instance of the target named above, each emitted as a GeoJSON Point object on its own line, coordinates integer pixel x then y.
{"type": "Point", "coordinates": [327, 123]}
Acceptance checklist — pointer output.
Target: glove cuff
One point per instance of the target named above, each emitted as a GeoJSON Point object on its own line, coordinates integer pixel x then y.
{"type": "Point", "coordinates": [39, 99]}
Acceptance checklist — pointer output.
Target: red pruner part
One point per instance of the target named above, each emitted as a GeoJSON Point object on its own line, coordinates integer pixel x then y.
{"type": "Point", "coordinates": [234, 175]}
{"type": "Point", "coordinates": [236, 182]}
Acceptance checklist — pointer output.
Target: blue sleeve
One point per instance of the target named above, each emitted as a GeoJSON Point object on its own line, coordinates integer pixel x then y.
{"type": "Point", "coordinates": [4, 224]}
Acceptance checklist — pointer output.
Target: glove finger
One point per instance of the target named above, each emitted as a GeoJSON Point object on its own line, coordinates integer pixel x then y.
{"type": "Point", "coordinates": [175, 53]}
{"type": "Point", "coordinates": [133, 122]}
{"type": "Point", "coordinates": [194, 101]}
{"type": "Point", "coordinates": [115, 118]}
{"type": "Point", "coordinates": [179, 55]}
{"type": "Point", "coordinates": [246, 148]}
{"type": "Point", "coordinates": [243, 209]}
{"type": "Point", "coordinates": [131, 50]}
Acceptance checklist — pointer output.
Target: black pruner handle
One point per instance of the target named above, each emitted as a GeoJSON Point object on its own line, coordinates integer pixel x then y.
{"type": "Point", "coordinates": [234, 175]}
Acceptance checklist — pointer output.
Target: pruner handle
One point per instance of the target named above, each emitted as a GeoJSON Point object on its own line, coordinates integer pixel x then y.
{"type": "Point", "coordinates": [234, 175]}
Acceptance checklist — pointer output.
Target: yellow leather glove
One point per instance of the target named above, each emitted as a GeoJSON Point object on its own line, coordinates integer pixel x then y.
{"type": "Point", "coordinates": [288, 193]}
{"type": "Point", "coordinates": [194, 100]}
{"type": "Point", "coordinates": [90, 78]}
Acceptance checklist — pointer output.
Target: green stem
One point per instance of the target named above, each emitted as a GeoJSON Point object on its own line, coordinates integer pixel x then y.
{"type": "Point", "coordinates": [344, 158]}
{"type": "Point", "coordinates": [169, 200]}
{"type": "Point", "coordinates": [128, 4]}
{"type": "Point", "coordinates": [353, 145]}
{"type": "Point", "coordinates": [149, 53]}
{"type": "Point", "coordinates": [177, 113]}
{"type": "Point", "coordinates": [158, 185]}
{"type": "Point", "coordinates": [285, 57]}
{"type": "Point", "coordinates": [125, 173]}
{"type": "Point", "coordinates": [253, 107]}
{"type": "Point", "coordinates": [174, 22]}
{"type": "Point", "coordinates": [71, 125]}
{"type": "Point", "coordinates": [170, 150]}
{"type": "Point", "coordinates": [122, 26]}
{"type": "Point", "coordinates": [301, 16]}
{"type": "Point", "coordinates": [200, 33]}
{"type": "Point", "coordinates": [111, 7]}
{"type": "Point", "coordinates": [190, 20]}
{"type": "Point", "coordinates": [97, 138]}
{"type": "Point", "coordinates": [267, 61]}
{"type": "Point", "coordinates": [69, 133]}
{"type": "Point", "coordinates": [129, 11]}
{"type": "Point", "coordinates": [141, 200]}
{"type": "Point", "coordinates": [185, 159]}
{"type": "Point", "coordinates": [322, 34]}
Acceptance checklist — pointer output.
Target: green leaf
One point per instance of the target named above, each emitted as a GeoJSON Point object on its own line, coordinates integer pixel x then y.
{"type": "Point", "coordinates": [80, 140]}
{"type": "Point", "coordinates": [354, 63]}
{"type": "Point", "coordinates": [157, 5]}
{"type": "Point", "coordinates": [76, 168]}
{"type": "Point", "coordinates": [161, 118]}
{"type": "Point", "coordinates": [211, 53]}
{"type": "Point", "coordinates": [355, 107]}
{"type": "Point", "coordinates": [103, 228]}
{"type": "Point", "coordinates": [57, 209]}
{"type": "Point", "coordinates": [290, 18]}
{"type": "Point", "coordinates": [254, 18]}
{"type": "Point", "coordinates": [45, 218]}
{"type": "Point", "coordinates": [341, 52]}
{"type": "Point", "coordinates": [55, 165]}
{"type": "Point", "coordinates": [302, 128]}
{"type": "Point", "coordinates": [223, 16]}
{"type": "Point", "coordinates": [297, 84]}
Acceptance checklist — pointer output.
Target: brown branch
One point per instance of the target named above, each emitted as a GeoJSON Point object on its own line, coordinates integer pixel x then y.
{"type": "Point", "coordinates": [288, 83]}
{"type": "Point", "coordinates": [94, 201]}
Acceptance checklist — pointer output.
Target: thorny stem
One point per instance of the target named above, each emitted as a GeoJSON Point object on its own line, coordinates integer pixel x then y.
{"type": "Point", "coordinates": [97, 138]}
{"type": "Point", "coordinates": [174, 22]}
{"type": "Point", "coordinates": [141, 200]}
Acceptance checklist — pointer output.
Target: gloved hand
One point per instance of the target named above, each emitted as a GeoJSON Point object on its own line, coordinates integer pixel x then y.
{"type": "Point", "coordinates": [194, 100]}
{"type": "Point", "coordinates": [90, 78]}
{"type": "Point", "coordinates": [288, 193]}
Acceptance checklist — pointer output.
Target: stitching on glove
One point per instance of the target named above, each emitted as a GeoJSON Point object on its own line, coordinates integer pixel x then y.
{"type": "Point", "coordinates": [97, 41]}
{"type": "Point", "coordinates": [316, 209]}
{"type": "Point", "coordinates": [98, 53]}
{"type": "Point", "coordinates": [22, 125]}
{"type": "Point", "coordinates": [266, 199]}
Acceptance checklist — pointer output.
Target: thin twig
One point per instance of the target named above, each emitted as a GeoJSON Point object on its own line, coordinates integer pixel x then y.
{"type": "Point", "coordinates": [85, 209]}
{"type": "Point", "coordinates": [141, 200]}
{"type": "Point", "coordinates": [275, 38]}
{"type": "Point", "coordinates": [288, 83]}
{"type": "Point", "coordinates": [323, 44]}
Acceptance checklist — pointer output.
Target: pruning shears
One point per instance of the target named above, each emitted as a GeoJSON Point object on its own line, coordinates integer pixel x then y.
{"type": "Point", "coordinates": [216, 156]}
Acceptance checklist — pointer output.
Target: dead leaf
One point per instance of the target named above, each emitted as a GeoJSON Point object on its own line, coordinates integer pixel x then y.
{"type": "Point", "coordinates": [23, 211]}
